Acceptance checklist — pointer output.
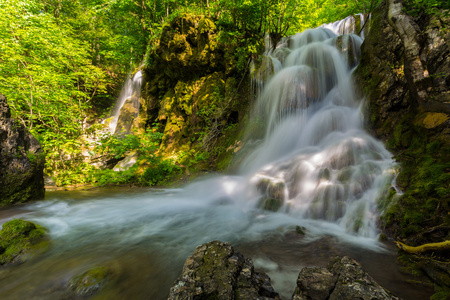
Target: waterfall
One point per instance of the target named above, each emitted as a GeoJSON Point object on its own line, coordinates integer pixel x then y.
{"type": "Point", "coordinates": [130, 94]}
{"type": "Point", "coordinates": [316, 161]}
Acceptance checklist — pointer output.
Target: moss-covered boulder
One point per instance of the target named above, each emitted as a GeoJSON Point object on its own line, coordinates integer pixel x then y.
{"type": "Point", "coordinates": [92, 281]}
{"type": "Point", "coordinates": [21, 161]}
{"type": "Point", "coordinates": [216, 271]}
{"type": "Point", "coordinates": [21, 240]}
{"type": "Point", "coordinates": [344, 278]}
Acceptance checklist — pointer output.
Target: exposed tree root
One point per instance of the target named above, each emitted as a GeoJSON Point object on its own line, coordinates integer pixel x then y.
{"type": "Point", "coordinates": [425, 247]}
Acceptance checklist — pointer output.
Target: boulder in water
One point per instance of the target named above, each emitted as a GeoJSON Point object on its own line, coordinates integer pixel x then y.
{"type": "Point", "coordinates": [21, 161]}
{"type": "Point", "coordinates": [344, 278]}
{"type": "Point", "coordinates": [92, 281]}
{"type": "Point", "coordinates": [20, 240]}
{"type": "Point", "coordinates": [216, 271]}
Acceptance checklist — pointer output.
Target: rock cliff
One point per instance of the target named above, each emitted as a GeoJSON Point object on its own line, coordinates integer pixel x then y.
{"type": "Point", "coordinates": [405, 75]}
{"type": "Point", "coordinates": [21, 161]}
{"type": "Point", "coordinates": [195, 91]}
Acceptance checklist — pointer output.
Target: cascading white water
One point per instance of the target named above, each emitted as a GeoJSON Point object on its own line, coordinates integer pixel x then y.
{"type": "Point", "coordinates": [316, 161]}
{"type": "Point", "coordinates": [131, 90]}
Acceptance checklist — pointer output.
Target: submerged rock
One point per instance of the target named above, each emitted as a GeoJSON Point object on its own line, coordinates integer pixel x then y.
{"type": "Point", "coordinates": [216, 271]}
{"type": "Point", "coordinates": [91, 281]}
{"type": "Point", "coordinates": [344, 278]}
{"type": "Point", "coordinates": [20, 240]}
{"type": "Point", "coordinates": [21, 161]}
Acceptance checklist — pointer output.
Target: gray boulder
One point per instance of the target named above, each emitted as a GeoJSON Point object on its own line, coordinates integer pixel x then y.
{"type": "Point", "coordinates": [21, 161]}
{"type": "Point", "coordinates": [344, 278]}
{"type": "Point", "coordinates": [216, 271]}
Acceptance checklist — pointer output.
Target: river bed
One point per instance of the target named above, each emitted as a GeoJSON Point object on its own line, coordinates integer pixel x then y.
{"type": "Point", "coordinates": [145, 235]}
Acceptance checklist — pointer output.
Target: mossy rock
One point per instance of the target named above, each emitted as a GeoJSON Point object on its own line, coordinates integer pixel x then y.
{"type": "Point", "coordinates": [92, 281]}
{"type": "Point", "coordinates": [271, 204]}
{"type": "Point", "coordinates": [21, 240]}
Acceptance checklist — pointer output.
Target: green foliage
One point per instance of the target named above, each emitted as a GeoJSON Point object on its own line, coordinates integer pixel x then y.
{"type": "Point", "coordinates": [149, 169]}
{"type": "Point", "coordinates": [415, 7]}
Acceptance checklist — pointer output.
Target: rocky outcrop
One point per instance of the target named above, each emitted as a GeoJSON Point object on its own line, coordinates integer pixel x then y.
{"type": "Point", "coordinates": [405, 75]}
{"type": "Point", "coordinates": [216, 271]}
{"type": "Point", "coordinates": [21, 161]}
{"type": "Point", "coordinates": [344, 278]}
{"type": "Point", "coordinates": [127, 116]}
{"type": "Point", "coordinates": [195, 91]}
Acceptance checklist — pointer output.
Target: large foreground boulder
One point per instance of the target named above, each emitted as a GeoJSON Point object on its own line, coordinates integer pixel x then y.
{"type": "Point", "coordinates": [344, 278]}
{"type": "Point", "coordinates": [216, 271]}
{"type": "Point", "coordinates": [21, 161]}
{"type": "Point", "coordinates": [21, 240]}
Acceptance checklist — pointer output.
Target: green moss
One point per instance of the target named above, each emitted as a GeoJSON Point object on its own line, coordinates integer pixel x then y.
{"type": "Point", "coordinates": [271, 204]}
{"type": "Point", "coordinates": [20, 240]}
{"type": "Point", "coordinates": [441, 293]}
{"type": "Point", "coordinates": [91, 281]}
{"type": "Point", "coordinates": [424, 176]}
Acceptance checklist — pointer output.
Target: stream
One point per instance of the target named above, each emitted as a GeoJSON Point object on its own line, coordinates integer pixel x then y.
{"type": "Point", "coordinates": [147, 234]}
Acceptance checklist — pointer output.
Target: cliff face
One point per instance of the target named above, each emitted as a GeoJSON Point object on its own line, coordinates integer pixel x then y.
{"type": "Point", "coordinates": [195, 92]}
{"type": "Point", "coordinates": [405, 75]}
{"type": "Point", "coordinates": [21, 161]}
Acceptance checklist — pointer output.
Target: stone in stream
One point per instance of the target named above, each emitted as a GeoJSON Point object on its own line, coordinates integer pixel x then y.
{"type": "Point", "coordinates": [216, 271]}
{"type": "Point", "coordinates": [21, 161]}
{"type": "Point", "coordinates": [92, 281]}
{"type": "Point", "coordinates": [21, 240]}
{"type": "Point", "coordinates": [344, 278]}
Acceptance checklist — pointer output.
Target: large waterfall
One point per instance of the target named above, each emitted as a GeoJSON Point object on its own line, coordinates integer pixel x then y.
{"type": "Point", "coordinates": [316, 161]}
{"type": "Point", "coordinates": [312, 166]}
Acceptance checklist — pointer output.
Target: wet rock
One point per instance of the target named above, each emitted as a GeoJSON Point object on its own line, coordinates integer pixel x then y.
{"type": "Point", "coordinates": [344, 278]}
{"type": "Point", "coordinates": [91, 281]}
{"type": "Point", "coordinates": [21, 240]}
{"type": "Point", "coordinates": [216, 271]}
{"type": "Point", "coordinates": [127, 116]}
{"type": "Point", "coordinates": [272, 190]}
{"type": "Point", "coordinates": [21, 161]}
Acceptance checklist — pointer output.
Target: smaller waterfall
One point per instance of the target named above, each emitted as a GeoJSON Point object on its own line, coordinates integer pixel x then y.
{"type": "Point", "coordinates": [127, 106]}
